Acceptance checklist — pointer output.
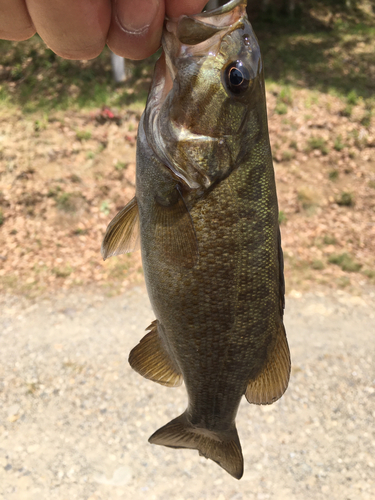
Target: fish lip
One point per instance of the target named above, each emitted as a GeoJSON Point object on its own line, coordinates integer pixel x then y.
{"type": "Point", "coordinates": [223, 9]}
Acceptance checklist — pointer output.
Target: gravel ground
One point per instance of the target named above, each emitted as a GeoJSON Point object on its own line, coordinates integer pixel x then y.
{"type": "Point", "coordinates": [75, 419]}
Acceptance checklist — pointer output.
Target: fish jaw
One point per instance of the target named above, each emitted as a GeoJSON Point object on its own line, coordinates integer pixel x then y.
{"type": "Point", "coordinates": [192, 124]}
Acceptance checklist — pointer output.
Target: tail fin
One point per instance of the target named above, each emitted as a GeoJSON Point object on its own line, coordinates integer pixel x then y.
{"type": "Point", "coordinates": [223, 447]}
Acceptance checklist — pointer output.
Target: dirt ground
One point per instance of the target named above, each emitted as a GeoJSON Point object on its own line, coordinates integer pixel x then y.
{"type": "Point", "coordinates": [75, 418]}
{"type": "Point", "coordinates": [64, 176]}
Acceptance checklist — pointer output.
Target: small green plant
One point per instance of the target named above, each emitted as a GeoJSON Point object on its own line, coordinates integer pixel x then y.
{"type": "Point", "coordinates": [338, 144]}
{"type": "Point", "coordinates": [307, 197]}
{"type": "Point", "coordinates": [120, 165]}
{"type": "Point", "coordinates": [333, 175]}
{"type": "Point", "coordinates": [287, 155]}
{"type": "Point", "coordinates": [366, 118]}
{"type": "Point", "coordinates": [345, 199]}
{"type": "Point", "coordinates": [371, 184]}
{"type": "Point", "coordinates": [40, 125]}
{"type": "Point", "coordinates": [329, 240]}
{"type": "Point", "coordinates": [352, 98]}
{"type": "Point", "coordinates": [75, 178]}
{"type": "Point", "coordinates": [282, 217]}
{"type": "Point", "coordinates": [281, 108]}
{"type": "Point", "coordinates": [347, 111]}
{"type": "Point", "coordinates": [90, 155]}
{"type": "Point", "coordinates": [131, 127]}
{"type": "Point", "coordinates": [104, 207]}
{"type": "Point", "coordinates": [101, 147]}
{"type": "Point", "coordinates": [83, 135]}
{"type": "Point", "coordinates": [79, 231]}
{"type": "Point", "coordinates": [1, 217]}
{"type": "Point", "coordinates": [317, 143]}
{"type": "Point", "coordinates": [62, 272]}
{"type": "Point", "coordinates": [293, 145]}
{"type": "Point", "coordinates": [65, 202]}
{"type": "Point", "coordinates": [345, 261]}
{"type": "Point", "coordinates": [285, 96]}
{"type": "Point", "coordinates": [343, 281]}
{"type": "Point", "coordinates": [53, 192]}
{"type": "Point", "coordinates": [370, 273]}
{"type": "Point", "coordinates": [16, 72]}
{"type": "Point", "coordinates": [317, 265]}
{"type": "Point", "coordinates": [308, 102]}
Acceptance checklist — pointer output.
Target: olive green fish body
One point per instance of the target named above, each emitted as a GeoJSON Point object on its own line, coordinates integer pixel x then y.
{"type": "Point", "coordinates": [207, 210]}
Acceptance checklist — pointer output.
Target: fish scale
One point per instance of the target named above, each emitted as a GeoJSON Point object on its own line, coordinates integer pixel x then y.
{"type": "Point", "coordinates": [206, 207]}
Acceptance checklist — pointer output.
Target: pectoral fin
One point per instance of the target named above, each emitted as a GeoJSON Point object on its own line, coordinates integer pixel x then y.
{"type": "Point", "coordinates": [272, 381]}
{"type": "Point", "coordinates": [173, 229]}
{"type": "Point", "coordinates": [151, 360]}
{"type": "Point", "coordinates": [122, 232]}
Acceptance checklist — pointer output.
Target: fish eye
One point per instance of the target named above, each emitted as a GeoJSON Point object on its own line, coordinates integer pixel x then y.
{"type": "Point", "coordinates": [236, 77]}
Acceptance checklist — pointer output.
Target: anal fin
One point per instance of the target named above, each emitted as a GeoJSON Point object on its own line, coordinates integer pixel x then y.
{"type": "Point", "coordinates": [150, 359]}
{"type": "Point", "coordinates": [272, 381]}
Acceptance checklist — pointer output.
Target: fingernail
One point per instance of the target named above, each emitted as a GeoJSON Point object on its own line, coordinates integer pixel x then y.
{"type": "Point", "coordinates": [135, 17]}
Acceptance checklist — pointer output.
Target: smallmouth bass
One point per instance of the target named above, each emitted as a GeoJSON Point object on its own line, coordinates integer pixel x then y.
{"type": "Point", "coordinates": [207, 212]}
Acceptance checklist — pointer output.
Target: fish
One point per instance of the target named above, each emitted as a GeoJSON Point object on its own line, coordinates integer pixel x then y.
{"type": "Point", "coordinates": [206, 213]}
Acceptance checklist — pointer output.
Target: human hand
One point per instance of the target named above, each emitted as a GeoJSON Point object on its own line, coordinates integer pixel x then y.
{"type": "Point", "coordinates": [79, 29]}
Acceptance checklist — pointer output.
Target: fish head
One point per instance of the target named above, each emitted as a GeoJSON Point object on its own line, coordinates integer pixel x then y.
{"type": "Point", "coordinates": [207, 95]}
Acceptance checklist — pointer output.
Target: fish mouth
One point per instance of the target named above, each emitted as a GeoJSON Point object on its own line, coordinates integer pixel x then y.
{"type": "Point", "coordinates": [197, 28]}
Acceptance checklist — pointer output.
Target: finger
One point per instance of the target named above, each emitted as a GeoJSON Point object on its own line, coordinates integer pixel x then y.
{"type": "Point", "coordinates": [136, 27]}
{"type": "Point", "coordinates": [15, 22]}
{"type": "Point", "coordinates": [175, 8]}
{"type": "Point", "coordinates": [74, 29]}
